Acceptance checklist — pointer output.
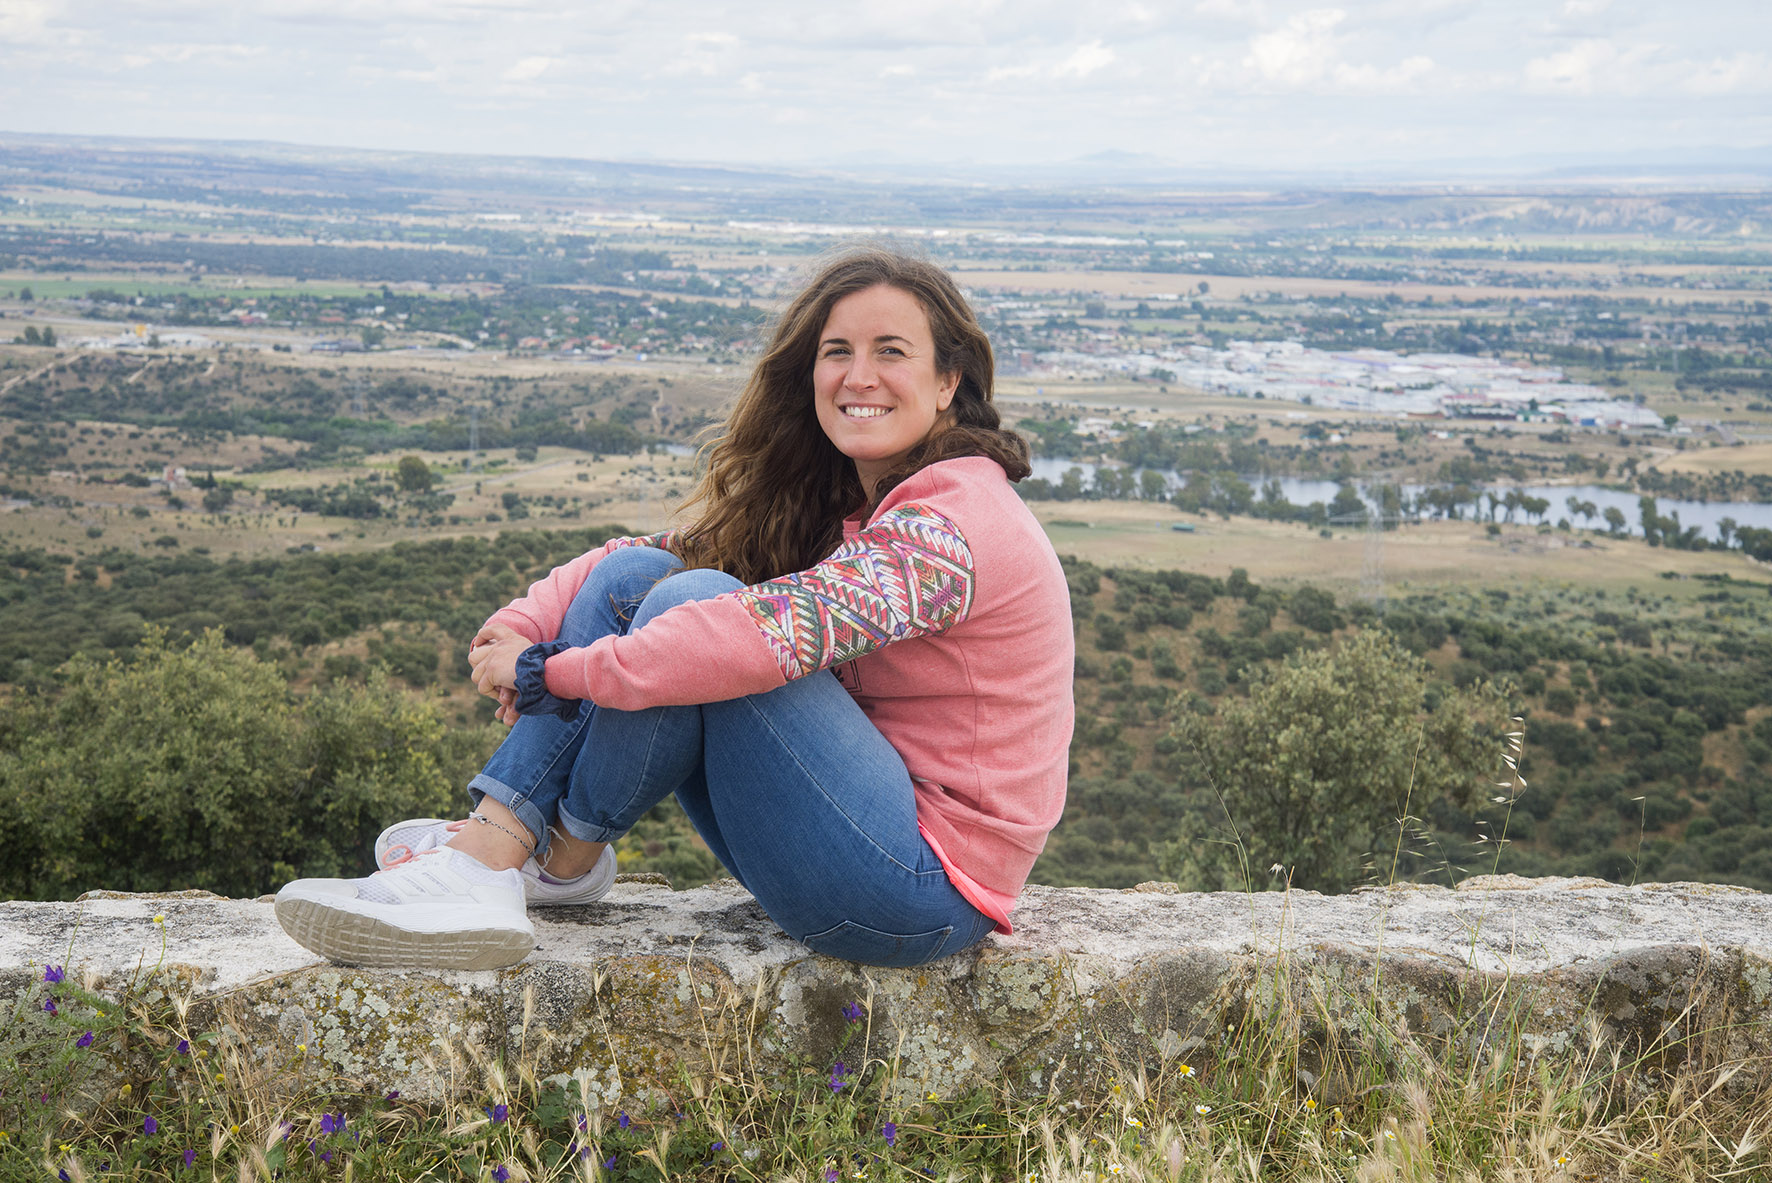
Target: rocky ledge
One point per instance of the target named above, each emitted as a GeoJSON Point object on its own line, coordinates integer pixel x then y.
{"type": "Point", "coordinates": [627, 994]}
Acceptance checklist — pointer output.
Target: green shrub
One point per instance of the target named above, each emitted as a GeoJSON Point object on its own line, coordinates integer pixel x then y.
{"type": "Point", "coordinates": [196, 767]}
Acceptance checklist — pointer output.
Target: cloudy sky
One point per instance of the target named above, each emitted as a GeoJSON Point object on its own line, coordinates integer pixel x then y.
{"type": "Point", "coordinates": [1237, 84]}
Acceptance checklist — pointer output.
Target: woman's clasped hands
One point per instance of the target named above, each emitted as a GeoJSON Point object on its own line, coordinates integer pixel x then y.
{"type": "Point", "coordinates": [493, 654]}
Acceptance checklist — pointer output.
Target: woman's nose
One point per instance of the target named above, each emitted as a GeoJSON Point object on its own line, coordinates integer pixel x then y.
{"type": "Point", "coordinates": [862, 374]}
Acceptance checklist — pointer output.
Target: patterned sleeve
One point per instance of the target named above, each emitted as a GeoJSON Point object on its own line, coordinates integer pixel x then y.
{"type": "Point", "coordinates": [909, 574]}
{"type": "Point", "coordinates": [663, 540]}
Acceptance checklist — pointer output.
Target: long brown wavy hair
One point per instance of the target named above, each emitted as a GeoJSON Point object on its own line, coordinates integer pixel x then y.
{"type": "Point", "coordinates": [775, 490]}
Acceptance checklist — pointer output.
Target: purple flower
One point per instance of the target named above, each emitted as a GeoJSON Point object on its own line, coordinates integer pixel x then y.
{"type": "Point", "coordinates": [609, 1163]}
{"type": "Point", "coordinates": [150, 1126]}
{"type": "Point", "coordinates": [623, 1120]}
{"type": "Point", "coordinates": [331, 1123]}
{"type": "Point", "coordinates": [190, 1159]}
{"type": "Point", "coordinates": [718, 1146]}
{"type": "Point", "coordinates": [500, 1173]}
{"type": "Point", "coordinates": [581, 1121]}
{"type": "Point", "coordinates": [326, 1156]}
{"type": "Point", "coordinates": [498, 1113]}
{"type": "Point", "coordinates": [830, 1175]}
{"type": "Point", "coordinates": [852, 1011]}
{"type": "Point", "coordinates": [53, 973]}
{"type": "Point", "coordinates": [838, 1073]}
{"type": "Point", "coordinates": [84, 1041]}
{"type": "Point", "coordinates": [889, 1131]}
{"type": "Point", "coordinates": [63, 1176]}
{"type": "Point", "coordinates": [393, 1094]}
{"type": "Point", "coordinates": [49, 1005]}
{"type": "Point", "coordinates": [184, 1047]}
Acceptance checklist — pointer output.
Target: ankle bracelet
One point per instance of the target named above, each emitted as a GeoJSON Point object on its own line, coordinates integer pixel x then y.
{"type": "Point", "coordinates": [486, 821]}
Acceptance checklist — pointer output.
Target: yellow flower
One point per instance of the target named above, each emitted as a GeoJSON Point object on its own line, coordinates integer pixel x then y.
{"type": "Point", "coordinates": [220, 1077]}
{"type": "Point", "coordinates": [301, 1047]}
{"type": "Point", "coordinates": [124, 1091]}
{"type": "Point", "coordinates": [160, 918]}
{"type": "Point", "coordinates": [233, 1129]}
{"type": "Point", "coordinates": [1390, 1135]}
{"type": "Point", "coordinates": [1202, 1110]}
{"type": "Point", "coordinates": [1310, 1103]}
{"type": "Point", "coordinates": [1562, 1159]}
{"type": "Point", "coordinates": [1187, 1069]}
{"type": "Point", "coordinates": [933, 1097]}
{"type": "Point", "coordinates": [66, 1148]}
{"type": "Point", "coordinates": [1135, 1123]}
{"type": "Point", "coordinates": [1115, 1168]}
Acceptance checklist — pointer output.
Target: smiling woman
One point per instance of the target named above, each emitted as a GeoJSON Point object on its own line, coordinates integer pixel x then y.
{"type": "Point", "coordinates": [851, 667]}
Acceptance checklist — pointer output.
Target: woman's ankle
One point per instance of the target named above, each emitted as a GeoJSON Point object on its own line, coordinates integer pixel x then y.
{"type": "Point", "coordinates": [495, 837]}
{"type": "Point", "coordinates": [567, 857]}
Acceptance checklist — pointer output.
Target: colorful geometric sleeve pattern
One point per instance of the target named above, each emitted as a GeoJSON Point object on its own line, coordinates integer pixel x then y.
{"type": "Point", "coordinates": [663, 540]}
{"type": "Point", "coordinates": [907, 575]}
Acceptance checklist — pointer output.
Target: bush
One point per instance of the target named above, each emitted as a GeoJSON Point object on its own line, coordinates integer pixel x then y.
{"type": "Point", "coordinates": [195, 767]}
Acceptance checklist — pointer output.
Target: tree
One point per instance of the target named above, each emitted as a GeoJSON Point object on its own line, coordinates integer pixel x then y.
{"type": "Point", "coordinates": [196, 767]}
{"type": "Point", "coordinates": [1323, 761]}
{"type": "Point", "coordinates": [218, 499]}
{"type": "Point", "coordinates": [414, 475]}
{"type": "Point", "coordinates": [1615, 520]}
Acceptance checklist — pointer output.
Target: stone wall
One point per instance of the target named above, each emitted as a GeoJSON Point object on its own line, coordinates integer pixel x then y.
{"type": "Point", "coordinates": [627, 992]}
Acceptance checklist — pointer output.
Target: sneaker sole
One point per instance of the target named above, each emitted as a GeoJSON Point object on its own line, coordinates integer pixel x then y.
{"type": "Point", "coordinates": [352, 933]}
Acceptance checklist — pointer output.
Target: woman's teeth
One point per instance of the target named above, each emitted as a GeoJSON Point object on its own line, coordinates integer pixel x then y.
{"type": "Point", "coordinates": [865, 412]}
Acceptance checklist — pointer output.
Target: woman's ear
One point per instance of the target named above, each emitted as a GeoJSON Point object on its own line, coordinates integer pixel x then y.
{"type": "Point", "coordinates": [944, 395]}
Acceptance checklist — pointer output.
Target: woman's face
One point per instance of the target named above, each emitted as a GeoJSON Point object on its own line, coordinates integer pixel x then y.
{"type": "Point", "coordinates": [875, 384]}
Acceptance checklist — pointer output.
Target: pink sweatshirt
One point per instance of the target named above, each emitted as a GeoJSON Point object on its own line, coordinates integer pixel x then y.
{"type": "Point", "coordinates": [947, 617]}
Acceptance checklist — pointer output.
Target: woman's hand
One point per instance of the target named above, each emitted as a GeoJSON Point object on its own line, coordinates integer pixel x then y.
{"type": "Point", "coordinates": [493, 654]}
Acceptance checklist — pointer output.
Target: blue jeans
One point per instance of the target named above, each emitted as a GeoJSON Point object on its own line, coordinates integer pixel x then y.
{"type": "Point", "coordinates": [796, 793]}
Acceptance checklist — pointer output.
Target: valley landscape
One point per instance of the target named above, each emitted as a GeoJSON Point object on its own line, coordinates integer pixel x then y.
{"type": "Point", "coordinates": [335, 407]}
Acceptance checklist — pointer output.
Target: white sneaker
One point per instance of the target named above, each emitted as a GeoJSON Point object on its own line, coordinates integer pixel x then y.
{"type": "Point", "coordinates": [440, 909]}
{"type": "Point", "coordinates": [404, 840]}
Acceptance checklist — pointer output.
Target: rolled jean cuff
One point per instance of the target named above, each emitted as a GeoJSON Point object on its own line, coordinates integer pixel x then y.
{"type": "Point", "coordinates": [588, 831]}
{"type": "Point", "coordinates": [531, 817]}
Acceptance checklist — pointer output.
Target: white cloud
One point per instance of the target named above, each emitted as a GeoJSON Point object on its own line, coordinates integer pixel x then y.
{"type": "Point", "coordinates": [1741, 74]}
{"type": "Point", "coordinates": [1299, 52]}
{"type": "Point", "coordinates": [530, 68]}
{"type": "Point", "coordinates": [1585, 7]}
{"type": "Point", "coordinates": [1085, 61]}
{"type": "Point", "coordinates": [1588, 66]}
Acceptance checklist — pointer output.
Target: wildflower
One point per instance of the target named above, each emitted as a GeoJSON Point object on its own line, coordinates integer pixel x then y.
{"type": "Point", "coordinates": [498, 1113]}
{"type": "Point", "coordinates": [933, 1097]}
{"type": "Point", "coordinates": [220, 1077]}
{"type": "Point", "coordinates": [190, 1159]}
{"type": "Point", "coordinates": [889, 1131]}
{"type": "Point", "coordinates": [53, 974]}
{"type": "Point", "coordinates": [1187, 1070]}
{"type": "Point", "coordinates": [852, 1011]}
{"type": "Point", "coordinates": [393, 1095]}
{"type": "Point", "coordinates": [1134, 1123]}
{"type": "Point", "coordinates": [233, 1129]}
{"type": "Point", "coordinates": [63, 1176]}
{"type": "Point", "coordinates": [184, 1047]}
{"type": "Point", "coordinates": [609, 1163]}
{"type": "Point", "coordinates": [1390, 1135]}
{"type": "Point", "coordinates": [839, 1073]}
{"type": "Point", "coordinates": [302, 1048]}
{"type": "Point", "coordinates": [49, 1005]}
{"type": "Point", "coordinates": [501, 1173]}
{"type": "Point", "coordinates": [1202, 1110]}
{"type": "Point", "coordinates": [1562, 1160]}
{"type": "Point", "coordinates": [84, 1041]}
{"type": "Point", "coordinates": [150, 1126]}
{"type": "Point", "coordinates": [830, 1175]}
{"type": "Point", "coordinates": [623, 1120]}
{"type": "Point", "coordinates": [326, 1156]}
{"type": "Point", "coordinates": [160, 919]}
{"type": "Point", "coordinates": [332, 1123]}
{"type": "Point", "coordinates": [1311, 1104]}
{"type": "Point", "coordinates": [721, 1145]}
{"type": "Point", "coordinates": [1115, 1168]}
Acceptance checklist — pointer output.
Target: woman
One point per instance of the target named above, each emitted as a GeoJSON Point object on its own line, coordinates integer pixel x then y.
{"type": "Point", "coordinates": [853, 670]}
